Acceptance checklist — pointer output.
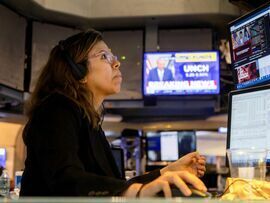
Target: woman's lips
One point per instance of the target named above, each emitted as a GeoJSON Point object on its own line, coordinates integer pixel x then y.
{"type": "Point", "coordinates": [118, 76]}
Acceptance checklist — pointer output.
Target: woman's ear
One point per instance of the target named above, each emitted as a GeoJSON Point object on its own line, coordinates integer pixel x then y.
{"type": "Point", "coordinates": [84, 80]}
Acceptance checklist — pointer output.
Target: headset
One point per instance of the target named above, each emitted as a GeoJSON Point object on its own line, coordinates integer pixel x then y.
{"type": "Point", "coordinates": [79, 71]}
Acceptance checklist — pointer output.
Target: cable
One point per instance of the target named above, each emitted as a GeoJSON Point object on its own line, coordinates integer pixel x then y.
{"type": "Point", "coordinates": [255, 188]}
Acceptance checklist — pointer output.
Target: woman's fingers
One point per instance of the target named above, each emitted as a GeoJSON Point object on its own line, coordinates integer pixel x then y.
{"type": "Point", "coordinates": [201, 167]}
{"type": "Point", "coordinates": [198, 156]}
{"type": "Point", "coordinates": [200, 173]}
{"type": "Point", "coordinates": [193, 180]}
{"type": "Point", "coordinates": [180, 179]}
{"type": "Point", "coordinates": [201, 161]}
{"type": "Point", "coordinates": [166, 188]}
{"type": "Point", "coordinates": [152, 188]}
{"type": "Point", "coordinates": [177, 181]}
{"type": "Point", "coordinates": [202, 157]}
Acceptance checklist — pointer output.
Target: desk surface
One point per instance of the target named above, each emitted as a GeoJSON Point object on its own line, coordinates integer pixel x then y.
{"type": "Point", "coordinates": [119, 199]}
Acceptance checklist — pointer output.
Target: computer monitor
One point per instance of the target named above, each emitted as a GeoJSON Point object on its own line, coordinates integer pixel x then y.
{"type": "Point", "coordinates": [118, 155]}
{"type": "Point", "coordinates": [169, 145]}
{"type": "Point", "coordinates": [181, 73]}
{"type": "Point", "coordinates": [3, 157]}
{"type": "Point", "coordinates": [248, 118]}
{"type": "Point", "coordinates": [250, 48]}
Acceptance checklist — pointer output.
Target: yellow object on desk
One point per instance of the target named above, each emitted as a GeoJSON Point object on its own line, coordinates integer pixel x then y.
{"type": "Point", "coordinates": [246, 189]}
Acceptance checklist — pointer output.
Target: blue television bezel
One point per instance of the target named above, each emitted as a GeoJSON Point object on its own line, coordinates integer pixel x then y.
{"type": "Point", "coordinates": [180, 94]}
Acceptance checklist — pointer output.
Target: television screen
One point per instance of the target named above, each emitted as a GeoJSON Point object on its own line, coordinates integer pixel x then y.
{"type": "Point", "coordinates": [181, 73]}
{"type": "Point", "coordinates": [3, 156]}
{"type": "Point", "coordinates": [169, 145]}
{"type": "Point", "coordinates": [250, 48]}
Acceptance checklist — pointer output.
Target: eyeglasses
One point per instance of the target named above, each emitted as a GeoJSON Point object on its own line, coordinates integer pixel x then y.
{"type": "Point", "coordinates": [109, 57]}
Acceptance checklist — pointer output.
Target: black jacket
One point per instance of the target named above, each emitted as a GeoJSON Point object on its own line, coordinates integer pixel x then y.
{"type": "Point", "coordinates": [66, 157]}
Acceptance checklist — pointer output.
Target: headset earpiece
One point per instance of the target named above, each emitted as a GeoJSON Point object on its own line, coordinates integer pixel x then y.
{"type": "Point", "coordinates": [79, 71]}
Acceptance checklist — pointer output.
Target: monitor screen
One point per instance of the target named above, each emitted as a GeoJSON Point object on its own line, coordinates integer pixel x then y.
{"type": "Point", "coordinates": [249, 115]}
{"type": "Point", "coordinates": [169, 145]}
{"type": "Point", "coordinates": [250, 48]}
{"type": "Point", "coordinates": [181, 73]}
{"type": "Point", "coordinates": [3, 156]}
{"type": "Point", "coordinates": [118, 155]}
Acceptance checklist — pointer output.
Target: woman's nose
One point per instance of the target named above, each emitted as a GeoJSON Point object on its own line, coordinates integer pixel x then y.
{"type": "Point", "coordinates": [116, 64]}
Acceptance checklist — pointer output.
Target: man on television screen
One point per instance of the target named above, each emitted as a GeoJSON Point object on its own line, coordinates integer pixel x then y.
{"type": "Point", "coordinates": [160, 73]}
{"type": "Point", "coordinates": [242, 38]}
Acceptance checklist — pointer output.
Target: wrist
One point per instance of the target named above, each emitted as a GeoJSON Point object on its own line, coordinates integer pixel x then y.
{"type": "Point", "coordinates": [163, 170]}
{"type": "Point", "coordinates": [133, 190]}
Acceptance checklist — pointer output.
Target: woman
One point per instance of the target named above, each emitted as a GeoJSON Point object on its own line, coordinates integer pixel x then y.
{"type": "Point", "coordinates": [67, 151]}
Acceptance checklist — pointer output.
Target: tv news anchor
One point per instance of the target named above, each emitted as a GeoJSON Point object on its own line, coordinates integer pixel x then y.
{"type": "Point", "coordinates": [67, 151]}
{"type": "Point", "coordinates": [160, 73]}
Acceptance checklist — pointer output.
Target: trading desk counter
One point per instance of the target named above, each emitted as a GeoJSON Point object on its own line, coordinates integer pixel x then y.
{"type": "Point", "coordinates": [119, 199]}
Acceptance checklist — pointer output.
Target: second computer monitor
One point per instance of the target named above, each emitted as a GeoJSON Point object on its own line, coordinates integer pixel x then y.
{"type": "Point", "coordinates": [249, 119]}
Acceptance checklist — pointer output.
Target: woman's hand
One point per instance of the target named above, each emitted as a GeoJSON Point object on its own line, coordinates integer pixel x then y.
{"type": "Point", "coordinates": [179, 179]}
{"type": "Point", "coordinates": [192, 162]}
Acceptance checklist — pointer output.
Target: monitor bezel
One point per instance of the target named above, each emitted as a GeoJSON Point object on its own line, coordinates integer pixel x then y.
{"type": "Point", "coordinates": [230, 24]}
{"type": "Point", "coordinates": [145, 95]}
